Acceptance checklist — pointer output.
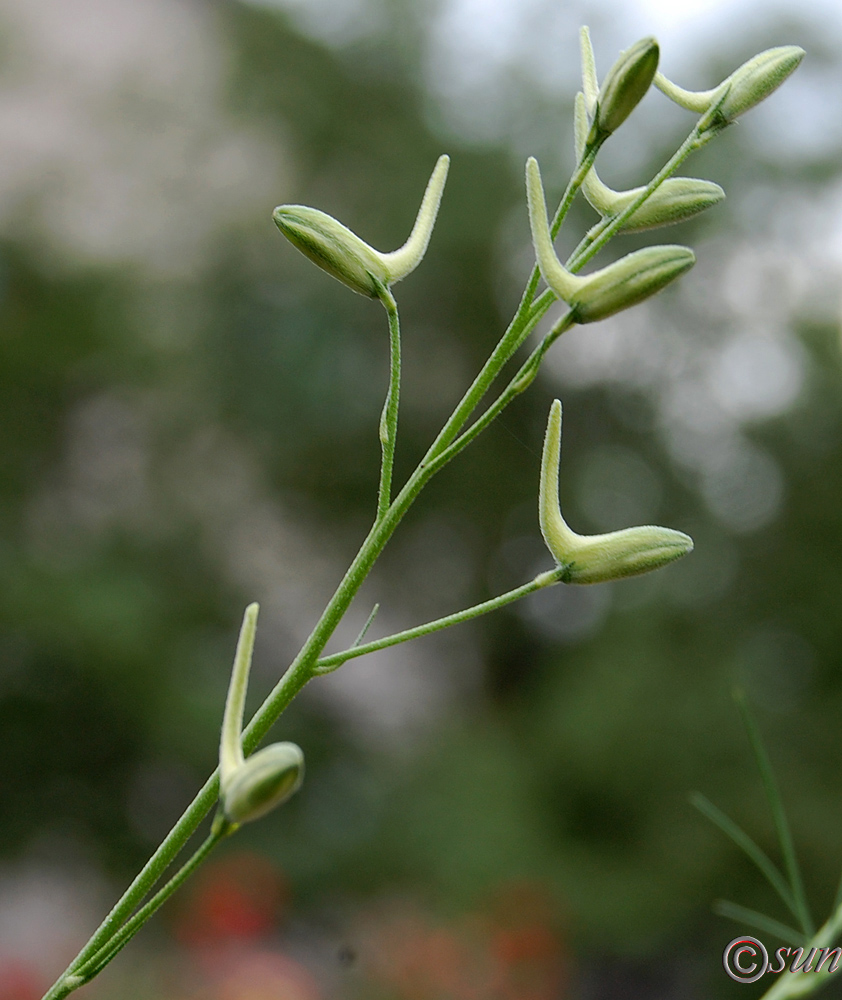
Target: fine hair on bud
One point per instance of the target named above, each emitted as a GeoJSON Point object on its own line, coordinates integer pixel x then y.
{"type": "Point", "coordinates": [756, 79]}
{"type": "Point", "coordinates": [624, 87]}
{"type": "Point", "coordinates": [628, 281]}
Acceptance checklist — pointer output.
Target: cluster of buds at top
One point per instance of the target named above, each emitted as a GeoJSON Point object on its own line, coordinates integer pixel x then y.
{"type": "Point", "coordinates": [752, 83]}
{"type": "Point", "coordinates": [344, 255]}
{"type": "Point", "coordinates": [250, 788]}
{"type": "Point", "coordinates": [619, 285]}
{"type": "Point", "coordinates": [597, 558]}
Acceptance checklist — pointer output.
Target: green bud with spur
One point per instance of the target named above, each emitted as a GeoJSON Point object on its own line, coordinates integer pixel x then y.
{"type": "Point", "coordinates": [345, 256]}
{"type": "Point", "coordinates": [250, 788]}
{"type": "Point", "coordinates": [752, 83]}
{"type": "Point", "coordinates": [597, 558]}
{"type": "Point", "coordinates": [619, 285]}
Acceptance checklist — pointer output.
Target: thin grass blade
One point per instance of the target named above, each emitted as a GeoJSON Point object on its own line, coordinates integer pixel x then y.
{"type": "Point", "coordinates": [773, 796]}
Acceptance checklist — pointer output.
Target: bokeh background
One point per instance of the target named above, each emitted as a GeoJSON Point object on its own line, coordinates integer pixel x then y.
{"type": "Point", "coordinates": [188, 415]}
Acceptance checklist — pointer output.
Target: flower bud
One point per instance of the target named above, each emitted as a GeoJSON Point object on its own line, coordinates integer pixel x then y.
{"type": "Point", "coordinates": [628, 281]}
{"type": "Point", "coordinates": [597, 558]}
{"type": "Point", "coordinates": [624, 87]}
{"type": "Point", "coordinates": [752, 83]}
{"type": "Point", "coordinates": [622, 284]}
{"type": "Point", "coordinates": [333, 247]}
{"type": "Point", "coordinates": [250, 788]}
{"type": "Point", "coordinates": [756, 79]}
{"type": "Point", "coordinates": [344, 255]}
{"type": "Point", "coordinates": [266, 780]}
{"type": "Point", "coordinates": [674, 200]}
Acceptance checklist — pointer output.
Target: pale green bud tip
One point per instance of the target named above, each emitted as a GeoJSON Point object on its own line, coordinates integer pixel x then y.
{"type": "Point", "coordinates": [333, 247]}
{"type": "Point", "coordinates": [755, 80]}
{"type": "Point", "coordinates": [628, 281]}
{"type": "Point", "coordinates": [597, 558]}
{"type": "Point", "coordinates": [629, 552]}
{"type": "Point", "coordinates": [266, 780]}
{"type": "Point", "coordinates": [624, 87]}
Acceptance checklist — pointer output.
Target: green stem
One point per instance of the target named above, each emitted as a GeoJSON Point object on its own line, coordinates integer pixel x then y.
{"type": "Point", "coordinates": [520, 382]}
{"type": "Point", "coordinates": [389, 516]}
{"type": "Point", "coordinates": [293, 680]}
{"type": "Point", "coordinates": [327, 664]}
{"type": "Point", "coordinates": [93, 966]}
{"type": "Point", "coordinates": [389, 417]}
{"type": "Point", "coordinates": [524, 321]}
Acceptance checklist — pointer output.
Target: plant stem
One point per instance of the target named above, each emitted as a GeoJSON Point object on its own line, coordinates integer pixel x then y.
{"type": "Point", "coordinates": [527, 315]}
{"type": "Point", "coordinates": [520, 382]}
{"type": "Point", "coordinates": [293, 680]}
{"type": "Point", "coordinates": [389, 516]}
{"type": "Point", "coordinates": [327, 664]}
{"type": "Point", "coordinates": [389, 417]}
{"type": "Point", "coordinates": [94, 965]}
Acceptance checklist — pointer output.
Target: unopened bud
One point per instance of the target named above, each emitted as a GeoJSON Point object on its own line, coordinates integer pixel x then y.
{"type": "Point", "coordinates": [597, 558]}
{"type": "Point", "coordinates": [675, 200]}
{"type": "Point", "coordinates": [264, 781]}
{"type": "Point", "coordinates": [620, 285]}
{"type": "Point", "coordinates": [333, 247]}
{"type": "Point", "coordinates": [752, 83]}
{"type": "Point", "coordinates": [756, 79]}
{"type": "Point", "coordinates": [624, 87]}
{"type": "Point", "coordinates": [344, 255]}
{"type": "Point", "coordinates": [250, 788]}
{"type": "Point", "coordinates": [629, 280]}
